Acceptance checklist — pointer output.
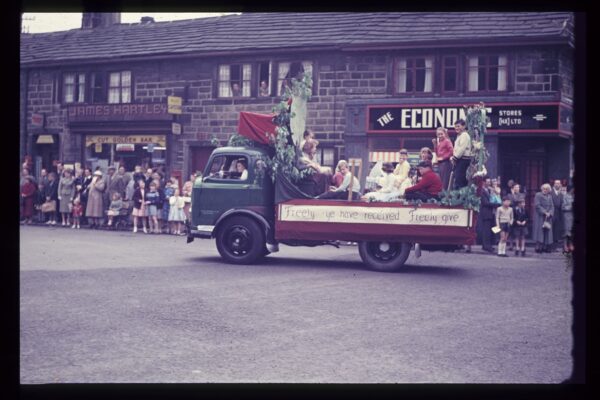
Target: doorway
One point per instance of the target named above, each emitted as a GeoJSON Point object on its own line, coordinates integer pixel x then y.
{"type": "Point", "coordinates": [199, 159]}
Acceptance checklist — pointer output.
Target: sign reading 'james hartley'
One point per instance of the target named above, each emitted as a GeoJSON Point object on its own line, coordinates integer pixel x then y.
{"type": "Point", "coordinates": [375, 215]}
{"type": "Point", "coordinates": [118, 112]}
{"type": "Point", "coordinates": [415, 118]}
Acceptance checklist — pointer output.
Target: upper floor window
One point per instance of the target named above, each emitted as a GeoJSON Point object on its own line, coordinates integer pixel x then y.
{"type": "Point", "coordinates": [487, 73]}
{"type": "Point", "coordinates": [264, 79]}
{"type": "Point", "coordinates": [288, 70]}
{"type": "Point", "coordinates": [119, 90]}
{"type": "Point", "coordinates": [235, 80]}
{"type": "Point", "coordinates": [449, 73]}
{"type": "Point", "coordinates": [414, 74]}
{"type": "Point", "coordinates": [73, 87]}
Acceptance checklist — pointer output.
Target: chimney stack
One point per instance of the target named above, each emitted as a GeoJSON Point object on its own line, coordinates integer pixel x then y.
{"type": "Point", "coordinates": [93, 20]}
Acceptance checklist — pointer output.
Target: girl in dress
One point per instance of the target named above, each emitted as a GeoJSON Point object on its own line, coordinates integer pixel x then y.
{"type": "Point", "coordinates": [115, 207]}
{"type": "Point", "coordinates": [176, 214]}
{"type": "Point", "coordinates": [139, 205]}
{"type": "Point", "coordinates": [77, 213]}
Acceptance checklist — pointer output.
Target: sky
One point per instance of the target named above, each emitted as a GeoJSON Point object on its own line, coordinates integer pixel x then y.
{"type": "Point", "coordinates": [51, 22]}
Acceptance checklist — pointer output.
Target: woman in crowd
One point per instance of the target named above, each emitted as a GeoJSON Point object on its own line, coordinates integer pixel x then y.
{"type": "Point", "coordinates": [542, 222]}
{"type": "Point", "coordinates": [139, 205]}
{"type": "Point", "coordinates": [443, 149]}
{"type": "Point", "coordinates": [94, 210]}
{"type": "Point", "coordinates": [51, 192]}
{"type": "Point", "coordinates": [85, 190]}
{"type": "Point", "coordinates": [28, 190]}
{"type": "Point", "coordinates": [66, 194]}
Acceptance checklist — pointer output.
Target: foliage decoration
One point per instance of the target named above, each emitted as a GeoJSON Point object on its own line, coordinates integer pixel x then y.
{"type": "Point", "coordinates": [237, 140]}
{"type": "Point", "coordinates": [465, 196]}
{"type": "Point", "coordinates": [477, 120]}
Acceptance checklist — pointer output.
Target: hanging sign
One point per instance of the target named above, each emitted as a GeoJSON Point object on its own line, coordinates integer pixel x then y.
{"type": "Point", "coordinates": [176, 128]}
{"type": "Point", "coordinates": [125, 147]}
{"type": "Point", "coordinates": [174, 104]}
{"type": "Point", "coordinates": [98, 148]}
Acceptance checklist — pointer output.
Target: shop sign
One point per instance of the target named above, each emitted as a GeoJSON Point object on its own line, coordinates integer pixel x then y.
{"type": "Point", "coordinates": [118, 112]}
{"type": "Point", "coordinates": [160, 140]}
{"type": "Point", "coordinates": [176, 128]}
{"type": "Point", "coordinates": [125, 147]}
{"type": "Point", "coordinates": [37, 120]}
{"type": "Point", "coordinates": [174, 104]}
{"type": "Point", "coordinates": [534, 117]}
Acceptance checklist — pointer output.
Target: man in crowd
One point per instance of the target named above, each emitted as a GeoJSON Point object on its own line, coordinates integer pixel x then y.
{"type": "Point", "coordinates": [557, 223]}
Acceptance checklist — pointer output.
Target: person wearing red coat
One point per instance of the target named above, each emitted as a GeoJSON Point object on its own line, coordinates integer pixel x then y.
{"type": "Point", "coordinates": [428, 187]}
{"type": "Point", "coordinates": [27, 195]}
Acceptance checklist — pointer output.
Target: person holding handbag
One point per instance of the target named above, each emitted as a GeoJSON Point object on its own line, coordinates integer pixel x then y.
{"type": "Point", "coordinates": [51, 193]}
{"type": "Point", "coordinates": [94, 210]}
{"type": "Point", "coordinates": [66, 194]}
{"type": "Point", "coordinates": [542, 222]}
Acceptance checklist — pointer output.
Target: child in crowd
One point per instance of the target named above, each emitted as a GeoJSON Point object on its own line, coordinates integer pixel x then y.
{"type": "Point", "coordinates": [77, 212]}
{"type": "Point", "coordinates": [139, 205]}
{"type": "Point", "coordinates": [152, 200]}
{"type": "Point", "coordinates": [115, 207]}
{"type": "Point", "coordinates": [176, 214]}
{"type": "Point", "coordinates": [504, 219]}
{"type": "Point", "coordinates": [170, 187]}
{"type": "Point", "coordinates": [520, 227]}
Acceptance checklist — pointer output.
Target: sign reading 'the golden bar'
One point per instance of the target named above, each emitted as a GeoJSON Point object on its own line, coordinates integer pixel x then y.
{"type": "Point", "coordinates": [160, 140]}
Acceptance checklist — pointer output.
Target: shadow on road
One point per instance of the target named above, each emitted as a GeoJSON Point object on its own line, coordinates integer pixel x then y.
{"type": "Point", "coordinates": [332, 264]}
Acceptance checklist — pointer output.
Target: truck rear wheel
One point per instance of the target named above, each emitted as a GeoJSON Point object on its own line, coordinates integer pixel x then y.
{"type": "Point", "coordinates": [240, 240]}
{"type": "Point", "coordinates": [384, 256]}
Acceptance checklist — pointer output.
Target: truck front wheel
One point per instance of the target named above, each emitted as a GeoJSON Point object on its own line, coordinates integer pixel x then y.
{"type": "Point", "coordinates": [384, 256]}
{"type": "Point", "coordinates": [240, 240]}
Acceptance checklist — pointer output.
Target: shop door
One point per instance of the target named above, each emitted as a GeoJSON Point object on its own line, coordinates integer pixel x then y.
{"type": "Point", "coordinates": [200, 156]}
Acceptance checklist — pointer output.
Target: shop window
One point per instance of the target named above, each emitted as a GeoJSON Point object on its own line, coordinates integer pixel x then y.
{"type": "Point", "coordinates": [119, 90]}
{"type": "Point", "coordinates": [325, 156]}
{"type": "Point", "coordinates": [235, 80]}
{"type": "Point", "coordinates": [487, 73]}
{"type": "Point", "coordinates": [73, 87]}
{"type": "Point", "coordinates": [450, 74]}
{"type": "Point", "coordinates": [288, 70]}
{"type": "Point", "coordinates": [414, 74]}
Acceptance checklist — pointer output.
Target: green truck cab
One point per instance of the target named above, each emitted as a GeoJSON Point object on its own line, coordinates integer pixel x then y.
{"type": "Point", "coordinates": [237, 212]}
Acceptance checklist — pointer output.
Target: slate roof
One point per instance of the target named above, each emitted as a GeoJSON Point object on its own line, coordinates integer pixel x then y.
{"type": "Point", "coordinates": [260, 31]}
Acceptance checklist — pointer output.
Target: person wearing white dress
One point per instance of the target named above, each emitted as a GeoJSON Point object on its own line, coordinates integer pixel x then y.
{"type": "Point", "coordinates": [176, 214]}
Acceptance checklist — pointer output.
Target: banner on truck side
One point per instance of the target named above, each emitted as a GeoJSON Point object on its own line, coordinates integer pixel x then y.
{"type": "Point", "coordinates": [375, 215]}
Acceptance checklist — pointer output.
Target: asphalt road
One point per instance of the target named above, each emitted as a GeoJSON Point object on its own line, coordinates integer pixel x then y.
{"type": "Point", "coordinates": [119, 307]}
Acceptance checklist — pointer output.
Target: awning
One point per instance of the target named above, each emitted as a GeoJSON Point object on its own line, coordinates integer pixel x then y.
{"type": "Point", "coordinates": [45, 139]}
{"type": "Point", "coordinates": [384, 156]}
{"type": "Point", "coordinates": [254, 126]}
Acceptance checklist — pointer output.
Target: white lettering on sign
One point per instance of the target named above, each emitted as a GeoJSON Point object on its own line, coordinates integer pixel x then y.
{"type": "Point", "coordinates": [385, 119]}
{"type": "Point", "coordinates": [375, 215]}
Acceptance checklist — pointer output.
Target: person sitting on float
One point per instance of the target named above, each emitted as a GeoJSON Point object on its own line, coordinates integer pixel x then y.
{"type": "Point", "coordinates": [341, 192]}
{"type": "Point", "coordinates": [403, 168]}
{"type": "Point", "coordinates": [428, 187]}
{"type": "Point", "coordinates": [308, 157]}
{"type": "Point", "coordinates": [387, 186]}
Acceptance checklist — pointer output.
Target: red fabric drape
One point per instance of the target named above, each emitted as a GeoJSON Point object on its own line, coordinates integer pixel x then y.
{"type": "Point", "coordinates": [254, 125]}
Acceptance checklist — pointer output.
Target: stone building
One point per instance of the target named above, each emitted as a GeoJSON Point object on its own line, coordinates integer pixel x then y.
{"type": "Point", "coordinates": [99, 95]}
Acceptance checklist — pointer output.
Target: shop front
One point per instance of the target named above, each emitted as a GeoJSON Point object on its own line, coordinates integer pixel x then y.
{"type": "Point", "coordinates": [122, 135]}
{"type": "Point", "coordinates": [529, 142]}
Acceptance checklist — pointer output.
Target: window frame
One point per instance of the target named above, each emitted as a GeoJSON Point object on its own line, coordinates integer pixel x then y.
{"type": "Point", "coordinates": [76, 87]}
{"type": "Point", "coordinates": [229, 159]}
{"type": "Point", "coordinates": [413, 57]}
{"type": "Point", "coordinates": [120, 87]}
{"type": "Point", "coordinates": [487, 67]}
{"type": "Point", "coordinates": [443, 68]}
{"type": "Point", "coordinates": [250, 80]}
{"type": "Point", "coordinates": [279, 82]}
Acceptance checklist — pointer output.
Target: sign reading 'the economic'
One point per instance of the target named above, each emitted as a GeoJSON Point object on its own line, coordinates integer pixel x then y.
{"type": "Point", "coordinates": [419, 117]}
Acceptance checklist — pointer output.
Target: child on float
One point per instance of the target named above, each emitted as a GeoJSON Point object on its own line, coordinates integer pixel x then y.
{"type": "Point", "coordinates": [176, 214]}
{"type": "Point", "coordinates": [115, 207]}
{"type": "Point", "coordinates": [386, 185]}
{"type": "Point", "coordinates": [139, 205]}
{"type": "Point", "coordinates": [519, 228]}
{"type": "Point", "coordinates": [77, 212]}
{"type": "Point", "coordinates": [504, 219]}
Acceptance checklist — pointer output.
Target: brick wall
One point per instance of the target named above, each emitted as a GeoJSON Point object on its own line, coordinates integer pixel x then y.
{"type": "Point", "coordinates": [537, 72]}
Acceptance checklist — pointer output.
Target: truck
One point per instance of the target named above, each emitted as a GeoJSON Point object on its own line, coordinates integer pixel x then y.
{"type": "Point", "coordinates": [249, 218]}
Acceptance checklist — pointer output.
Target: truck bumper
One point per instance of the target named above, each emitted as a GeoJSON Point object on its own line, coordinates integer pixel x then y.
{"type": "Point", "coordinates": [201, 231]}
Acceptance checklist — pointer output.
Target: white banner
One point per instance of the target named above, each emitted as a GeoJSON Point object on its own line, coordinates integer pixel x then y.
{"type": "Point", "coordinates": [375, 215]}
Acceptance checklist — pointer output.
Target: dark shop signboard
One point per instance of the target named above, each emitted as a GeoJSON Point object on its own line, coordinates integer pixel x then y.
{"type": "Point", "coordinates": [531, 117]}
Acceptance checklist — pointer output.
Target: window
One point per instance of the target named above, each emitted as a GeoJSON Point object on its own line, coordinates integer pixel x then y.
{"type": "Point", "coordinates": [325, 156]}
{"type": "Point", "coordinates": [264, 79]}
{"type": "Point", "coordinates": [224, 167]}
{"type": "Point", "coordinates": [449, 74]}
{"type": "Point", "coordinates": [414, 74]}
{"type": "Point", "coordinates": [288, 70]}
{"type": "Point", "coordinates": [235, 80]}
{"type": "Point", "coordinates": [119, 90]}
{"type": "Point", "coordinates": [98, 88]}
{"type": "Point", "coordinates": [487, 73]}
{"type": "Point", "coordinates": [74, 87]}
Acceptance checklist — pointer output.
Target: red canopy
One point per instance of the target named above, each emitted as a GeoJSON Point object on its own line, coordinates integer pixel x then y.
{"type": "Point", "coordinates": [254, 125]}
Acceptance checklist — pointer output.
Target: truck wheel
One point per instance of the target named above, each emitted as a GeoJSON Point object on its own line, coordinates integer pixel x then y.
{"type": "Point", "coordinates": [240, 240]}
{"type": "Point", "coordinates": [384, 256]}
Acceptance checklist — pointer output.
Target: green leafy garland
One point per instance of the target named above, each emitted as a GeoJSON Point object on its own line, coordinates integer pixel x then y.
{"type": "Point", "coordinates": [477, 121]}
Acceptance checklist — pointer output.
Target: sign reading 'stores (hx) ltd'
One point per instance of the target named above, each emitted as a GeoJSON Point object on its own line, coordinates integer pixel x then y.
{"type": "Point", "coordinates": [503, 116]}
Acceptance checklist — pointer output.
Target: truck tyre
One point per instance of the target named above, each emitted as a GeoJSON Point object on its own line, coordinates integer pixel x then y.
{"type": "Point", "coordinates": [384, 256]}
{"type": "Point", "coordinates": [240, 240]}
